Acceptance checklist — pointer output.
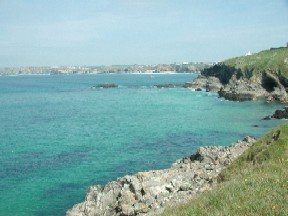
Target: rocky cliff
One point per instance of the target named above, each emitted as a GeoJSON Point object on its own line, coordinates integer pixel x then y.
{"type": "Point", "coordinates": [261, 76]}
{"type": "Point", "coordinates": [262, 86]}
{"type": "Point", "coordinates": [148, 193]}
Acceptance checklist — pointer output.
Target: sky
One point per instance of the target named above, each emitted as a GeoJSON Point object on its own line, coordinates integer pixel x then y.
{"type": "Point", "coordinates": [111, 32]}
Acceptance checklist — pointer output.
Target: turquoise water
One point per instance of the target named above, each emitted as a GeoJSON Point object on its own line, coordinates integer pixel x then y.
{"type": "Point", "coordinates": [58, 136]}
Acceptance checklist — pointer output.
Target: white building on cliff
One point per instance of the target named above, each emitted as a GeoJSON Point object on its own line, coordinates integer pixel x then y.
{"type": "Point", "coordinates": [248, 53]}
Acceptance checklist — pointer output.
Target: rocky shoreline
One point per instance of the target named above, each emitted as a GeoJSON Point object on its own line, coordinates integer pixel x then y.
{"type": "Point", "coordinates": [266, 87]}
{"type": "Point", "coordinates": [148, 193]}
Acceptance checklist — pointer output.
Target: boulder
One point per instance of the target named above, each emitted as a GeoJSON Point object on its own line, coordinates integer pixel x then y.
{"type": "Point", "coordinates": [281, 114]}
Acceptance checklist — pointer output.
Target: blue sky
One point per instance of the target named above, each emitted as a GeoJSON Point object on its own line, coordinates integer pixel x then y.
{"type": "Point", "coordinates": [105, 32]}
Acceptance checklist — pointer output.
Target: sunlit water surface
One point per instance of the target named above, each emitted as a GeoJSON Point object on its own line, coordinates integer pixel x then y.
{"type": "Point", "coordinates": [58, 135]}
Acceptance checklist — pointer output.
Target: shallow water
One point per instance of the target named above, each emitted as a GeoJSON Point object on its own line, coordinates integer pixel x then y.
{"type": "Point", "coordinates": [58, 135]}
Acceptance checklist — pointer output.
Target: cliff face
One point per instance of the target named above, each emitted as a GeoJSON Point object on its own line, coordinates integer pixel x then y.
{"type": "Point", "coordinates": [262, 75]}
{"type": "Point", "coordinates": [147, 193]}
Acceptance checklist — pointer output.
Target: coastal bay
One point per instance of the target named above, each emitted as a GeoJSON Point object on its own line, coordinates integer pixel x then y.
{"type": "Point", "coordinates": [59, 136]}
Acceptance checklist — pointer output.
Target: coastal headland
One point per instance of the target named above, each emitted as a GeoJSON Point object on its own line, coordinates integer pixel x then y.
{"type": "Point", "coordinates": [262, 75]}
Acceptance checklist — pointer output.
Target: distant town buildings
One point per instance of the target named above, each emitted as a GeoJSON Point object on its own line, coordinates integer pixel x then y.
{"type": "Point", "coordinates": [183, 67]}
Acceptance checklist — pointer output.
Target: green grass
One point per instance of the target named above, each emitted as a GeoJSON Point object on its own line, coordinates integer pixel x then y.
{"type": "Point", "coordinates": [274, 61]}
{"type": "Point", "coordinates": [255, 184]}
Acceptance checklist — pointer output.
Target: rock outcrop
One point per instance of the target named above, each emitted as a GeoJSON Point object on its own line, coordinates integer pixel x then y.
{"type": "Point", "coordinates": [264, 86]}
{"type": "Point", "coordinates": [211, 84]}
{"type": "Point", "coordinates": [281, 114]}
{"type": "Point", "coordinates": [278, 114]}
{"type": "Point", "coordinates": [148, 193]}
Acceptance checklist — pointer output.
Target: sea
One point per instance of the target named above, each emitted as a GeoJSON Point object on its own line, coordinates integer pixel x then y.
{"type": "Point", "coordinates": [59, 135]}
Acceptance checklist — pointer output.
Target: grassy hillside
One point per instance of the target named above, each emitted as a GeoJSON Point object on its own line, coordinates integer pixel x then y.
{"type": "Point", "coordinates": [273, 60]}
{"type": "Point", "coordinates": [255, 184]}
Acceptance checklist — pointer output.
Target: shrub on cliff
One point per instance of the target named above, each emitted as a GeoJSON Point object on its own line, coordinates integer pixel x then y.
{"type": "Point", "coordinates": [223, 72]}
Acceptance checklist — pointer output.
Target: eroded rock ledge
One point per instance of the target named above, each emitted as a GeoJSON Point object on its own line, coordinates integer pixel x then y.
{"type": "Point", "coordinates": [261, 86]}
{"type": "Point", "coordinates": [148, 193]}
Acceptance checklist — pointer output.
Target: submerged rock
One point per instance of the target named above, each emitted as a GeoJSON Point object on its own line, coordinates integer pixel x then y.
{"type": "Point", "coordinates": [268, 117]}
{"type": "Point", "coordinates": [106, 85]}
{"type": "Point", "coordinates": [147, 193]}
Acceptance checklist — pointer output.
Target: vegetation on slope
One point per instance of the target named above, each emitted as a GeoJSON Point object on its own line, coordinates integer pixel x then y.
{"type": "Point", "coordinates": [255, 184]}
{"type": "Point", "coordinates": [223, 72]}
{"type": "Point", "coordinates": [273, 62]}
